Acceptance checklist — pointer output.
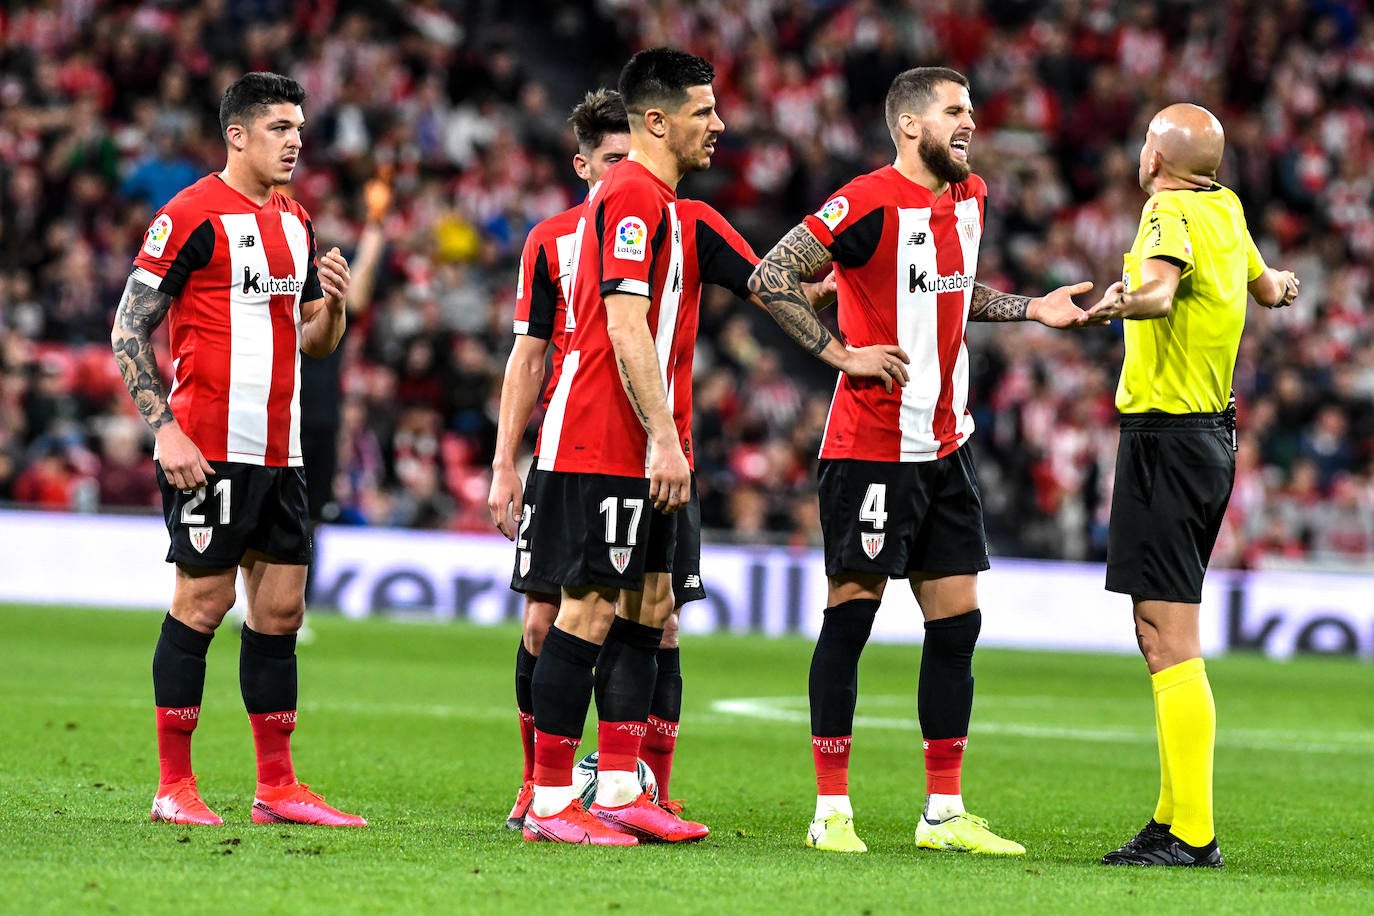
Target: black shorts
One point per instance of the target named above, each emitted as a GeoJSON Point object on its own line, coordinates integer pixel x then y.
{"type": "Point", "coordinates": [1174, 475]}
{"type": "Point", "coordinates": [902, 517]}
{"type": "Point", "coordinates": [592, 529]}
{"type": "Point", "coordinates": [243, 507]}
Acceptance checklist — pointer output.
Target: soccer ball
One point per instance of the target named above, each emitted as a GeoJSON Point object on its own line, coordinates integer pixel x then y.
{"type": "Point", "coordinates": [584, 780]}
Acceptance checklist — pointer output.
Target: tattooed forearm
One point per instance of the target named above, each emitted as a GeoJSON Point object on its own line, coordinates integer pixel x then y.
{"type": "Point", "coordinates": [989, 304]}
{"type": "Point", "coordinates": [777, 281]}
{"type": "Point", "coordinates": [627, 381]}
{"type": "Point", "coordinates": [141, 310]}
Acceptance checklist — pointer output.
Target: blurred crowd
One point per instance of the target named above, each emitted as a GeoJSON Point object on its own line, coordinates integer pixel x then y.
{"type": "Point", "coordinates": [457, 111]}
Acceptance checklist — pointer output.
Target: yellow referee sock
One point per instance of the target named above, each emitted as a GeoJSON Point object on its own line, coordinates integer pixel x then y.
{"type": "Point", "coordinates": [1187, 718]}
{"type": "Point", "coordinates": [1164, 808]}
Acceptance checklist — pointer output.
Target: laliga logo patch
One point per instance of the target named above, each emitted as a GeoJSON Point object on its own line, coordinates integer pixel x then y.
{"type": "Point", "coordinates": [835, 210]}
{"type": "Point", "coordinates": [873, 544]}
{"type": "Point", "coordinates": [631, 237]}
{"type": "Point", "coordinates": [620, 558]}
{"type": "Point", "coordinates": [158, 234]}
{"type": "Point", "coordinates": [200, 538]}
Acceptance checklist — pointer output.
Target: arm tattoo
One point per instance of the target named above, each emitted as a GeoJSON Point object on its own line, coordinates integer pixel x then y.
{"type": "Point", "coordinates": [989, 304]}
{"type": "Point", "coordinates": [141, 310]}
{"type": "Point", "coordinates": [633, 395]}
{"type": "Point", "coordinates": [777, 281]}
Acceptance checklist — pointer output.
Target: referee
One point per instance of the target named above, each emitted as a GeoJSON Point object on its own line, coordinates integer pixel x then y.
{"type": "Point", "coordinates": [1184, 287]}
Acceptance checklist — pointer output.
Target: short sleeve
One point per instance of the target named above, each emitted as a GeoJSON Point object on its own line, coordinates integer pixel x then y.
{"type": "Point", "coordinates": [536, 296]}
{"type": "Point", "coordinates": [724, 257]}
{"type": "Point", "coordinates": [1254, 261]}
{"type": "Point", "coordinates": [630, 225]}
{"type": "Point", "coordinates": [850, 224]}
{"type": "Point", "coordinates": [1166, 234]}
{"type": "Point", "coordinates": [177, 242]}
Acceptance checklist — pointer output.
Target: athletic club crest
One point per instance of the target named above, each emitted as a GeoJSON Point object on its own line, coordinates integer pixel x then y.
{"type": "Point", "coordinates": [524, 562]}
{"type": "Point", "coordinates": [620, 557]}
{"type": "Point", "coordinates": [969, 228]}
{"type": "Point", "coordinates": [200, 538]}
{"type": "Point", "coordinates": [873, 543]}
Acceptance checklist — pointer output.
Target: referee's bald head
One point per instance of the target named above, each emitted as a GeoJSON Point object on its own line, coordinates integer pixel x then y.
{"type": "Point", "coordinates": [1188, 140]}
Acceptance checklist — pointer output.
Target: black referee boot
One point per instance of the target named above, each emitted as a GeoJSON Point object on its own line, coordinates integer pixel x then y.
{"type": "Point", "coordinates": [1156, 845]}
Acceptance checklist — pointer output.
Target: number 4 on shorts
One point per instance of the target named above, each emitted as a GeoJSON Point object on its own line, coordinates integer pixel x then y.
{"type": "Point", "coordinates": [874, 511]}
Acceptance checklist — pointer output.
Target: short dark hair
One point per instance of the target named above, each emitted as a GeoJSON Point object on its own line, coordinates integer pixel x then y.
{"type": "Point", "coordinates": [913, 90]}
{"type": "Point", "coordinates": [600, 113]}
{"type": "Point", "coordinates": [660, 78]}
{"type": "Point", "coordinates": [249, 95]}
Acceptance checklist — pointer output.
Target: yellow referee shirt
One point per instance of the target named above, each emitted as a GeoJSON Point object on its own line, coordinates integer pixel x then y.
{"type": "Point", "coordinates": [1183, 363]}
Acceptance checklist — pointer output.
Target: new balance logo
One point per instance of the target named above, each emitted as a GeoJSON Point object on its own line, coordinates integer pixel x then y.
{"type": "Point", "coordinates": [247, 241]}
{"type": "Point", "coordinates": [692, 581]}
{"type": "Point", "coordinates": [917, 238]}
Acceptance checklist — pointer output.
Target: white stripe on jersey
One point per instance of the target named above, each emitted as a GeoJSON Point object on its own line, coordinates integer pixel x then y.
{"type": "Point", "coordinates": [566, 246]}
{"type": "Point", "coordinates": [574, 262]}
{"type": "Point", "coordinates": [918, 335]}
{"type": "Point", "coordinates": [299, 242]}
{"type": "Point", "coordinates": [250, 347]}
{"type": "Point", "coordinates": [552, 429]}
{"type": "Point", "coordinates": [668, 304]}
{"type": "Point", "coordinates": [970, 229]}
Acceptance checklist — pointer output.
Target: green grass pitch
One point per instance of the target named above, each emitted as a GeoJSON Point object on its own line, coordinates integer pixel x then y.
{"type": "Point", "coordinates": [412, 724]}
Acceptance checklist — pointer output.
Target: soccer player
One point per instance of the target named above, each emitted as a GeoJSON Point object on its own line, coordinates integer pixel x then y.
{"type": "Point", "coordinates": [230, 264]}
{"type": "Point", "coordinates": [616, 441]}
{"type": "Point", "coordinates": [898, 492]}
{"type": "Point", "coordinates": [1183, 293]}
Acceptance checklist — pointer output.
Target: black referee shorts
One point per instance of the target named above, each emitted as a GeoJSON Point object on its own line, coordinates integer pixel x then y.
{"type": "Point", "coordinates": [1174, 475]}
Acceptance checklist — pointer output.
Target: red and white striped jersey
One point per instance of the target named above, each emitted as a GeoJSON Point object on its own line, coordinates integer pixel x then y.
{"type": "Point", "coordinates": [237, 274]}
{"type": "Point", "coordinates": [541, 295]}
{"type": "Point", "coordinates": [905, 263]}
{"type": "Point", "coordinates": [634, 237]}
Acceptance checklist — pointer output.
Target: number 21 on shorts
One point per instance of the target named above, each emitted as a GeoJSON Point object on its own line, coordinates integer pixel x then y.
{"type": "Point", "coordinates": [200, 533]}
{"type": "Point", "coordinates": [874, 512]}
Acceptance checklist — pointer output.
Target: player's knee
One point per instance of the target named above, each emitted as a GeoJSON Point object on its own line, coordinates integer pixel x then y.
{"type": "Point", "coordinates": [670, 630]}
{"type": "Point", "coordinates": [540, 613]}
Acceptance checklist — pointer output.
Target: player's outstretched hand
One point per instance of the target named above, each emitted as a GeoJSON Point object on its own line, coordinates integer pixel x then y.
{"type": "Point", "coordinates": [506, 502]}
{"type": "Point", "coordinates": [1106, 308]}
{"type": "Point", "coordinates": [1057, 309]}
{"type": "Point", "coordinates": [670, 477]}
{"type": "Point", "coordinates": [182, 462]}
{"type": "Point", "coordinates": [883, 362]}
{"type": "Point", "coordinates": [333, 271]}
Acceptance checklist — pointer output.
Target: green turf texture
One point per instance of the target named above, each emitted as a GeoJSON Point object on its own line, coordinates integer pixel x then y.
{"type": "Point", "coordinates": [413, 725]}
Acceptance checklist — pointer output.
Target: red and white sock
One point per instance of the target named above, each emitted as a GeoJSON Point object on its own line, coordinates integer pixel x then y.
{"type": "Point", "coordinates": [944, 765]}
{"type": "Point", "coordinates": [553, 766]}
{"type": "Point", "coordinates": [272, 741]}
{"type": "Point", "coordinates": [174, 728]}
{"type": "Point", "coordinates": [617, 777]}
{"type": "Point", "coordinates": [831, 757]}
{"type": "Point", "coordinates": [527, 741]}
{"type": "Point", "coordinates": [657, 751]}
